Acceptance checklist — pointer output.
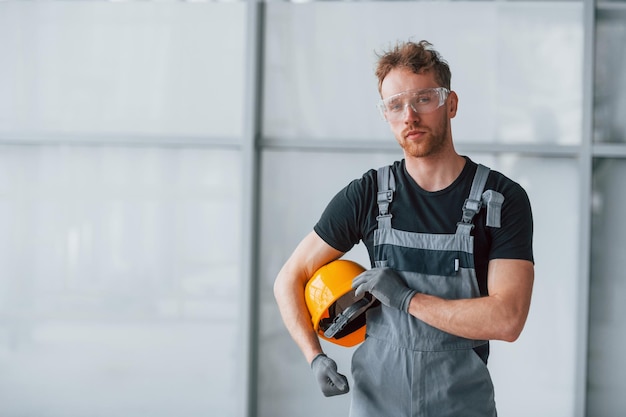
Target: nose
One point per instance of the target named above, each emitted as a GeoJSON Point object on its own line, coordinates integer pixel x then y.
{"type": "Point", "coordinates": [410, 114]}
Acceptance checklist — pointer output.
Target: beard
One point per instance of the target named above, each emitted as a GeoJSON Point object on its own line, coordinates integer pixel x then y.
{"type": "Point", "coordinates": [432, 143]}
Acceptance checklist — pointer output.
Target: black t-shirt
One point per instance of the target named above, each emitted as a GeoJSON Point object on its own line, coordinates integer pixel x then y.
{"type": "Point", "coordinates": [350, 217]}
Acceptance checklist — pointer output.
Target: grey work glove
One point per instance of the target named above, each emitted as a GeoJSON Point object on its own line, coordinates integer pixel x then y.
{"type": "Point", "coordinates": [386, 286]}
{"type": "Point", "coordinates": [331, 382]}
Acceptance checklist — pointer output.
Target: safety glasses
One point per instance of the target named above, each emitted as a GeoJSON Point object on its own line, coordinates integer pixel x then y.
{"type": "Point", "coordinates": [423, 101]}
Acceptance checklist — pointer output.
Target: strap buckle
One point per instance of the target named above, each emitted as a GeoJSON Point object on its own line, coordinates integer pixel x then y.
{"type": "Point", "coordinates": [462, 225]}
{"type": "Point", "coordinates": [470, 208]}
{"type": "Point", "coordinates": [385, 196]}
{"type": "Point", "coordinates": [384, 199]}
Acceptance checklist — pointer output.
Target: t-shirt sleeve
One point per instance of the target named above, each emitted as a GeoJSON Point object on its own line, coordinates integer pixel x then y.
{"type": "Point", "coordinates": [513, 240]}
{"type": "Point", "coordinates": [342, 222]}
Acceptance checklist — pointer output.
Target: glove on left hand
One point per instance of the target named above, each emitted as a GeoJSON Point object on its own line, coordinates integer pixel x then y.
{"type": "Point", "coordinates": [386, 286]}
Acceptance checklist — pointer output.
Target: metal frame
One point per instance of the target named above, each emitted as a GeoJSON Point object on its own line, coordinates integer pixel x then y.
{"type": "Point", "coordinates": [585, 187]}
{"type": "Point", "coordinates": [250, 162]}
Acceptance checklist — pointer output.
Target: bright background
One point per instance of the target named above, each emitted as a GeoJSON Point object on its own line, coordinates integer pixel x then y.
{"type": "Point", "coordinates": [159, 161]}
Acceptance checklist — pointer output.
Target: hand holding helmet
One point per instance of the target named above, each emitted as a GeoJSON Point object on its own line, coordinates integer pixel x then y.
{"type": "Point", "coordinates": [386, 286]}
{"type": "Point", "coordinates": [331, 382]}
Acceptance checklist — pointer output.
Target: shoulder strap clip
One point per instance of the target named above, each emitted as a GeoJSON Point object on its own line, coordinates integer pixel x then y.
{"type": "Point", "coordinates": [473, 203]}
{"type": "Point", "coordinates": [386, 187]}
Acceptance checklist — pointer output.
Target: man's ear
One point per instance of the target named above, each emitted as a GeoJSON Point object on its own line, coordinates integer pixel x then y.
{"type": "Point", "coordinates": [453, 102]}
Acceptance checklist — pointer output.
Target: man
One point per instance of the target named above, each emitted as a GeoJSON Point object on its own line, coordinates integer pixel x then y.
{"type": "Point", "coordinates": [451, 249]}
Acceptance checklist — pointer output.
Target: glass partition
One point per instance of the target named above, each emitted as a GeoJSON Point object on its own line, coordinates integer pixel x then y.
{"type": "Point", "coordinates": [530, 379]}
{"type": "Point", "coordinates": [517, 67]}
{"type": "Point", "coordinates": [607, 289]}
{"type": "Point", "coordinates": [120, 281]}
{"type": "Point", "coordinates": [610, 77]}
{"type": "Point", "coordinates": [76, 70]}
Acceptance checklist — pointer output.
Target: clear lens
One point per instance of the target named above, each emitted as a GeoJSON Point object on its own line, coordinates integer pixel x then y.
{"type": "Point", "coordinates": [421, 101]}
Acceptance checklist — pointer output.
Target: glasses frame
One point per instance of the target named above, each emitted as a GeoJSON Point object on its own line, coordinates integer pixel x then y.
{"type": "Point", "coordinates": [442, 92]}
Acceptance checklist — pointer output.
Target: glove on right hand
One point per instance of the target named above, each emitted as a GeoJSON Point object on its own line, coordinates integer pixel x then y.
{"type": "Point", "coordinates": [386, 286]}
{"type": "Point", "coordinates": [331, 382]}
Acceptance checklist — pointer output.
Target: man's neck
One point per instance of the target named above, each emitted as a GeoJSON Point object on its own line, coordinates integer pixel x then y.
{"type": "Point", "coordinates": [434, 173]}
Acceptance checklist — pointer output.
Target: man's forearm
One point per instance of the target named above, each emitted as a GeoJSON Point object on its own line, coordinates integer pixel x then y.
{"type": "Point", "coordinates": [476, 318]}
{"type": "Point", "coordinates": [296, 317]}
{"type": "Point", "coordinates": [499, 316]}
{"type": "Point", "coordinates": [309, 255]}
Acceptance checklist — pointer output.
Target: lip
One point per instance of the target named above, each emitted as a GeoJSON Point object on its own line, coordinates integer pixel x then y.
{"type": "Point", "coordinates": [414, 134]}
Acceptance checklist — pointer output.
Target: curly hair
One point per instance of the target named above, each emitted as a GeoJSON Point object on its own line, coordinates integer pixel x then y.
{"type": "Point", "coordinates": [418, 57]}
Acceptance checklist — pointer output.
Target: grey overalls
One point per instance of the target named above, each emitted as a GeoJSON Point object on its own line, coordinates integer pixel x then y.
{"type": "Point", "coordinates": [405, 367]}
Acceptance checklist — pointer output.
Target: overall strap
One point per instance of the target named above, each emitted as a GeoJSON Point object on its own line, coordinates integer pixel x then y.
{"type": "Point", "coordinates": [386, 187]}
{"type": "Point", "coordinates": [473, 203]}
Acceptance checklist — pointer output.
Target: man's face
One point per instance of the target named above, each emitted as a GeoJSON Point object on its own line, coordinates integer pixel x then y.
{"type": "Point", "coordinates": [419, 134]}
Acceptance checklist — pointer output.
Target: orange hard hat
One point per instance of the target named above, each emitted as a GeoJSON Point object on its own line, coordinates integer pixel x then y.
{"type": "Point", "coordinates": [338, 315]}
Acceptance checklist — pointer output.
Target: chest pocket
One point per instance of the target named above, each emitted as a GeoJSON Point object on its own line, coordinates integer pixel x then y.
{"type": "Point", "coordinates": [425, 261]}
